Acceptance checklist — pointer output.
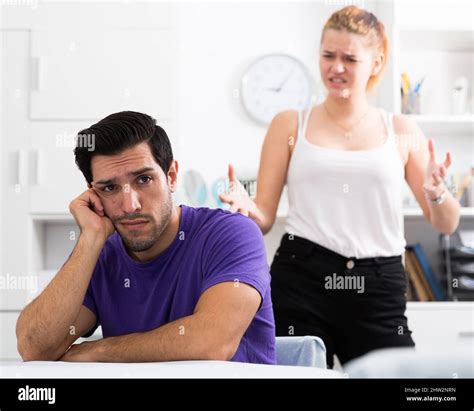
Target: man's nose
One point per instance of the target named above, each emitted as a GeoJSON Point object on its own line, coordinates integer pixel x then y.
{"type": "Point", "coordinates": [131, 201]}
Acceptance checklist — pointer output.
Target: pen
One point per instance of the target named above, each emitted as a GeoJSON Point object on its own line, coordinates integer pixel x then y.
{"type": "Point", "coordinates": [418, 85]}
{"type": "Point", "coordinates": [405, 83]}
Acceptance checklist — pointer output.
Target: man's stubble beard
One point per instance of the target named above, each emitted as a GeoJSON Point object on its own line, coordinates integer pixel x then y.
{"type": "Point", "coordinates": [143, 244]}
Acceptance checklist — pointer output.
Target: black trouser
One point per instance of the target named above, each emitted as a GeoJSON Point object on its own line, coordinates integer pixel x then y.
{"type": "Point", "coordinates": [354, 305]}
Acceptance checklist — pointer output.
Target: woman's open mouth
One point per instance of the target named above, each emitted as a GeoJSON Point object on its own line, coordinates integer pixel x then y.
{"type": "Point", "coordinates": [337, 80]}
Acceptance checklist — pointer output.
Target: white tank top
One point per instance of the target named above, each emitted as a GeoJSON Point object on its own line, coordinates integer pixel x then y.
{"type": "Point", "coordinates": [347, 201]}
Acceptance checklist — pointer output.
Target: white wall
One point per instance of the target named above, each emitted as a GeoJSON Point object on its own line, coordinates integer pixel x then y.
{"type": "Point", "coordinates": [429, 13]}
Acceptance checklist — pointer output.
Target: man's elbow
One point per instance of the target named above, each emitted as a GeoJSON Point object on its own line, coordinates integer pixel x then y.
{"type": "Point", "coordinates": [32, 355]}
{"type": "Point", "coordinates": [224, 351]}
{"type": "Point", "coordinates": [28, 352]}
{"type": "Point", "coordinates": [23, 344]}
{"type": "Point", "coordinates": [29, 355]}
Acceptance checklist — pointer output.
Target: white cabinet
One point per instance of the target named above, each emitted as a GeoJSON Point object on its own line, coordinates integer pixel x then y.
{"type": "Point", "coordinates": [14, 224]}
{"type": "Point", "coordinates": [441, 325]}
{"type": "Point", "coordinates": [89, 73]}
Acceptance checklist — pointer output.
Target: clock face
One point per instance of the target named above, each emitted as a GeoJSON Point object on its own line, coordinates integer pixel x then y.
{"type": "Point", "coordinates": [275, 83]}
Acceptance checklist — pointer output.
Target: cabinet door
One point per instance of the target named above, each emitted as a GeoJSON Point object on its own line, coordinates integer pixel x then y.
{"type": "Point", "coordinates": [441, 325]}
{"type": "Point", "coordinates": [14, 222]}
{"type": "Point", "coordinates": [87, 74]}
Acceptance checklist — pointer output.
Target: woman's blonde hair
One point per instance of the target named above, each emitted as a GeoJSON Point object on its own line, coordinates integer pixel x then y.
{"type": "Point", "coordinates": [359, 21]}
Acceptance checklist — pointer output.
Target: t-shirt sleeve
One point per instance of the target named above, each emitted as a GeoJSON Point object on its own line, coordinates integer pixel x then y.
{"type": "Point", "coordinates": [89, 302]}
{"type": "Point", "coordinates": [235, 252]}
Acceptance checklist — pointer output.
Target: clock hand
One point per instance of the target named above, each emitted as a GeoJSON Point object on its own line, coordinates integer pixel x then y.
{"type": "Point", "coordinates": [284, 81]}
{"type": "Point", "coordinates": [278, 89]}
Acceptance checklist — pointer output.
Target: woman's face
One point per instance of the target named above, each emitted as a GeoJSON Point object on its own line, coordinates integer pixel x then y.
{"type": "Point", "coordinates": [346, 63]}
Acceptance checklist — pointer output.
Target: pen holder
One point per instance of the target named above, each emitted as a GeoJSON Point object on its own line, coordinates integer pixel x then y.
{"type": "Point", "coordinates": [411, 103]}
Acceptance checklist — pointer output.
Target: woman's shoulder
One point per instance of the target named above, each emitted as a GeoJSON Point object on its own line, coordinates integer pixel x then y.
{"type": "Point", "coordinates": [285, 118]}
{"type": "Point", "coordinates": [284, 125]}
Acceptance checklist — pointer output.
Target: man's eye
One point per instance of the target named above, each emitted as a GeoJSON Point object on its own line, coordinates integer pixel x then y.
{"type": "Point", "coordinates": [144, 179]}
{"type": "Point", "coordinates": [328, 56]}
{"type": "Point", "coordinates": [109, 188]}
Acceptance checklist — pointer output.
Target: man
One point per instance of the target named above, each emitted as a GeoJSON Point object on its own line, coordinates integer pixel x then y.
{"type": "Point", "coordinates": [165, 283]}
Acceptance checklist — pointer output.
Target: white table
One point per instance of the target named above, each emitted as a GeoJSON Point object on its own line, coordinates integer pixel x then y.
{"type": "Point", "coordinates": [173, 369]}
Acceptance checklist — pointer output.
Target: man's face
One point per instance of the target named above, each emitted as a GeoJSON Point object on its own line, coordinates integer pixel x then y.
{"type": "Point", "coordinates": [136, 194]}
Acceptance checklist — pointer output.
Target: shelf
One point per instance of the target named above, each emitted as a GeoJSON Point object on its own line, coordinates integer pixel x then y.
{"type": "Point", "coordinates": [416, 212]}
{"type": "Point", "coordinates": [407, 212]}
{"type": "Point", "coordinates": [440, 55]}
{"type": "Point", "coordinates": [53, 238]}
{"type": "Point", "coordinates": [66, 217]}
{"type": "Point", "coordinates": [440, 305]}
{"type": "Point", "coordinates": [446, 124]}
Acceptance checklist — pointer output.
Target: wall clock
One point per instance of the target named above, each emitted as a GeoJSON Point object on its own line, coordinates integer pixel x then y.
{"type": "Point", "coordinates": [274, 83]}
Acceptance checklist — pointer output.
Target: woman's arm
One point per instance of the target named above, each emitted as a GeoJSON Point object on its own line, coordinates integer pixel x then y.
{"type": "Point", "coordinates": [425, 176]}
{"type": "Point", "coordinates": [274, 161]}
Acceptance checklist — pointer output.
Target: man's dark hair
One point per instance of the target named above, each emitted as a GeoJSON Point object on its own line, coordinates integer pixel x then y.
{"type": "Point", "coordinates": [118, 132]}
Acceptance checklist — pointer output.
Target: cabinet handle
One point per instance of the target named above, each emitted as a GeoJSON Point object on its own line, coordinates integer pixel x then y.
{"type": "Point", "coordinates": [22, 168]}
{"type": "Point", "coordinates": [466, 334]}
{"type": "Point", "coordinates": [38, 168]}
{"type": "Point", "coordinates": [37, 74]}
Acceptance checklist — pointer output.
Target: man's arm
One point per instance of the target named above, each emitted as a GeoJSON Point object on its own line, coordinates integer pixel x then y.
{"type": "Point", "coordinates": [44, 327]}
{"type": "Point", "coordinates": [213, 332]}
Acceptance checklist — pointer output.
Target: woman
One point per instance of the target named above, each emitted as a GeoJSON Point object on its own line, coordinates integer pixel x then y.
{"type": "Point", "coordinates": [338, 272]}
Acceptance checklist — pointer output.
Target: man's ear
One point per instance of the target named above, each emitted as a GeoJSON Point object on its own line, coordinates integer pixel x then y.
{"type": "Point", "coordinates": [173, 175]}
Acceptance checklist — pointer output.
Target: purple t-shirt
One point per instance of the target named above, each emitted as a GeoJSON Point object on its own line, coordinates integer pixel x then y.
{"type": "Point", "coordinates": [212, 246]}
